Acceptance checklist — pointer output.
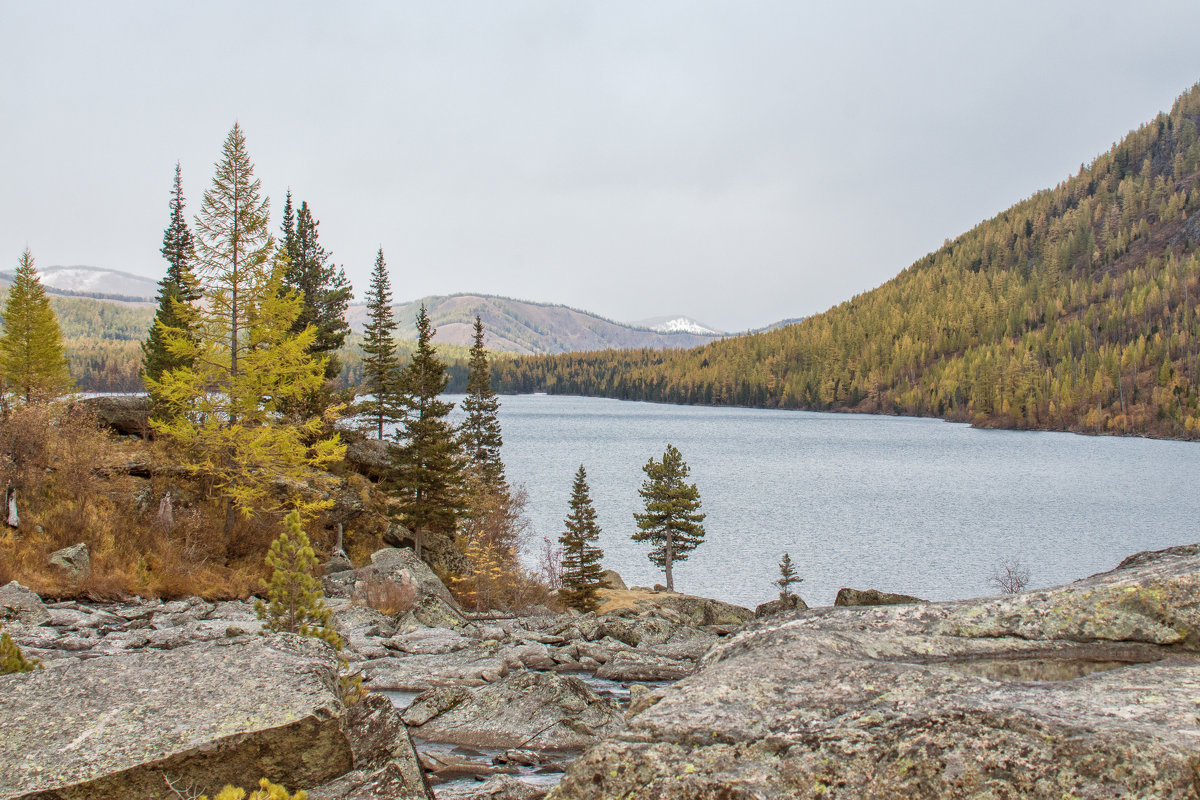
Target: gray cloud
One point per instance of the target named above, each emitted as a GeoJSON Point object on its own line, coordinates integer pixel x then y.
{"type": "Point", "coordinates": [738, 162]}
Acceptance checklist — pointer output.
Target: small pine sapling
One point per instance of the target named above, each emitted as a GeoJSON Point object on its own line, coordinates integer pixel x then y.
{"type": "Point", "coordinates": [787, 578]}
{"type": "Point", "coordinates": [11, 659]}
{"type": "Point", "coordinates": [296, 602]}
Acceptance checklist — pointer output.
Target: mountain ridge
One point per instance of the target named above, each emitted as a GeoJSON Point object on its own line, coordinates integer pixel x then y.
{"type": "Point", "coordinates": [526, 327]}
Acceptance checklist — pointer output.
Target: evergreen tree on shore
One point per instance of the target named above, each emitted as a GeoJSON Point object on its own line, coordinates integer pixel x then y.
{"type": "Point", "coordinates": [32, 359]}
{"type": "Point", "coordinates": [177, 290]}
{"type": "Point", "coordinates": [427, 458]}
{"type": "Point", "coordinates": [322, 285]}
{"type": "Point", "coordinates": [787, 577]}
{"type": "Point", "coordinates": [223, 415]}
{"type": "Point", "coordinates": [581, 568]}
{"type": "Point", "coordinates": [480, 432]}
{"type": "Point", "coordinates": [381, 365]}
{"type": "Point", "coordinates": [672, 522]}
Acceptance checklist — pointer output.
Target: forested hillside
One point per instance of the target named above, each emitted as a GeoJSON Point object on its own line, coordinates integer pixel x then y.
{"type": "Point", "coordinates": [1072, 310]}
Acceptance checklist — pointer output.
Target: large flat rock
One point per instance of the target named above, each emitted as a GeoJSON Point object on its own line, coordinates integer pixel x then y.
{"type": "Point", "coordinates": [1085, 691]}
{"type": "Point", "coordinates": [229, 711]}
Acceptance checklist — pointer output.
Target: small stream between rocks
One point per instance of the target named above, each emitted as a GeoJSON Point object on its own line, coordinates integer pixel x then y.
{"type": "Point", "coordinates": [541, 768]}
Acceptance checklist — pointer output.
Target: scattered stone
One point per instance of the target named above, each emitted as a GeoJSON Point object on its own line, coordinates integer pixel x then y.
{"type": "Point", "coordinates": [505, 787]}
{"type": "Point", "coordinates": [338, 563]}
{"type": "Point", "coordinates": [636, 665]}
{"type": "Point", "coordinates": [642, 697]}
{"type": "Point", "coordinates": [792, 602]}
{"type": "Point", "coordinates": [385, 761]}
{"type": "Point", "coordinates": [611, 579]}
{"type": "Point", "coordinates": [74, 561]}
{"type": "Point", "coordinates": [872, 597]}
{"type": "Point", "coordinates": [126, 414]}
{"type": "Point", "coordinates": [527, 709]}
{"type": "Point", "coordinates": [19, 604]}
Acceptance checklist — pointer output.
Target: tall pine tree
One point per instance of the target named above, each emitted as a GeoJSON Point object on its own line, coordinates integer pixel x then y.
{"type": "Point", "coordinates": [178, 289]}
{"type": "Point", "coordinates": [672, 520]}
{"type": "Point", "coordinates": [223, 414]}
{"type": "Point", "coordinates": [480, 432]}
{"type": "Point", "coordinates": [581, 568]}
{"type": "Point", "coordinates": [381, 366]}
{"type": "Point", "coordinates": [427, 460]}
{"type": "Point", "coordinates": [32, 361]}
{"type": "Point", "coordinates": [322, 285]}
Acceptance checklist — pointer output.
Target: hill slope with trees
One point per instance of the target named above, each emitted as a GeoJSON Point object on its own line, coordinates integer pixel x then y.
{"type": "Point", "coordinates": [1073, 310]}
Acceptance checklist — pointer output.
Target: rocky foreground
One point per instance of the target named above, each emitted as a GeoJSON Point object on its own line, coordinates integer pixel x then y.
{"type": "Point", "coordinates": [146, 699]}
{"type": "Point", "coordinates": [1090, 690]}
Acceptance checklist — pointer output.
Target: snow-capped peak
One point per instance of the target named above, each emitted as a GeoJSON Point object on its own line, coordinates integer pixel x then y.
{"type": "Point", "coordinates": [682, 325]}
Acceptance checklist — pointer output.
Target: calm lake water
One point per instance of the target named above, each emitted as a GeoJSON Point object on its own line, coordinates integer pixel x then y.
{"type": "Point", "coordinates": [918, 506]}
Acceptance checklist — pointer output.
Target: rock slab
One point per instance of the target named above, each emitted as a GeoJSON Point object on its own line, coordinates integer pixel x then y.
{"type": "Point", "coordinates": [228, 711]}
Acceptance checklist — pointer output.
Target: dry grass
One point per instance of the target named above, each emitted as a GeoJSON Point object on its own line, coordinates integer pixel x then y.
{"type": "Point", "coordinates": [614, 599]}
{"type": "Point", "coordinates": [71, 488]}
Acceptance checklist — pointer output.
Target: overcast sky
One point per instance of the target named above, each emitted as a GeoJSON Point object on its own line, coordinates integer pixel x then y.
{"type": "Point", "coordinates": [738, 162]}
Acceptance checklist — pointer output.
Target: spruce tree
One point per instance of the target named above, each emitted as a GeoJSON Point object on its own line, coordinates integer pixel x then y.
{"type": "Point", "coordinates": [427, 459]}
{"type": "Point", "coordinates": [581, 568]}
{"type": "Point", "coordinates": [32, 360]}
{"type": "Point", "coordinates": [177, 290]}
{"type": "Point", "coordinates": [787, 577]}
{"type": "Point", "coordinates": [223, 415]}
{"type": "Point", "coordinates": [322, 285]}
{"type": "Point", "coordinates": [295, 600]}
{"type": "Point", "coordinates": [381, 366]}
{"type": "Point", "coordinates": [480, 432]}
{"type": "Point", "coordinates": [672, 520]}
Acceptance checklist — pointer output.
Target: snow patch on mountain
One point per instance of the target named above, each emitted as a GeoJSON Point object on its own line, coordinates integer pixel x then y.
{"type": "Point", "coordinates": [677, 325]}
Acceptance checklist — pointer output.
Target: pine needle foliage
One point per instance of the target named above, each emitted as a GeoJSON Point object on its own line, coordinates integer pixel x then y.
{"type": "Point", "coordinates": [480, 432]}
{"type": "Point", "coordinates": [381, 365]}
{"type": "Point", "coordinates": [177, 291]}
{"type": "Point", "coordinates": [223, 413]}
{"type": "Point", "coordinates": [427, 459]}
{"type": "Point", "coordinates": [11, 658]}
{"type": "Point", "coordinates": [32, 361]}
{"type": "Point", "coordinates": [581, 567]}
{"type": "Point", "coordinates": [672, 521]}
{"type": "Point", "coordinates": [787, 577]}
{"type": "Point", "coordinates": [322, 285]}
{"type": "Point", "coordinates": [265, 791]}
{"type": "Point", "coordinates": [295, 600]}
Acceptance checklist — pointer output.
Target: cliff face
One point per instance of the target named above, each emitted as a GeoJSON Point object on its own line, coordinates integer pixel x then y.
{"type": "Point", "coordinates": [1086, 691]}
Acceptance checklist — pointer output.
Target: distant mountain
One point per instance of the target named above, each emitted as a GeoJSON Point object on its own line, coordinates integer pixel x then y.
{"type": "Point", "coordinates": [87, 281]}
{"type": "Point", "coordinates": [523, 327]}
{"type": "Point", "coordinates": [676, 325]}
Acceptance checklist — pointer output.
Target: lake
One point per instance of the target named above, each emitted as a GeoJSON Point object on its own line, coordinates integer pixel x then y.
{"type": "Point", "coordinates": [917, 506]}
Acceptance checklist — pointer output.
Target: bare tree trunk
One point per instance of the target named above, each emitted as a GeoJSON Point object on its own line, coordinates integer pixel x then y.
{"type": "Point", "coordinates": [670, 558]}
